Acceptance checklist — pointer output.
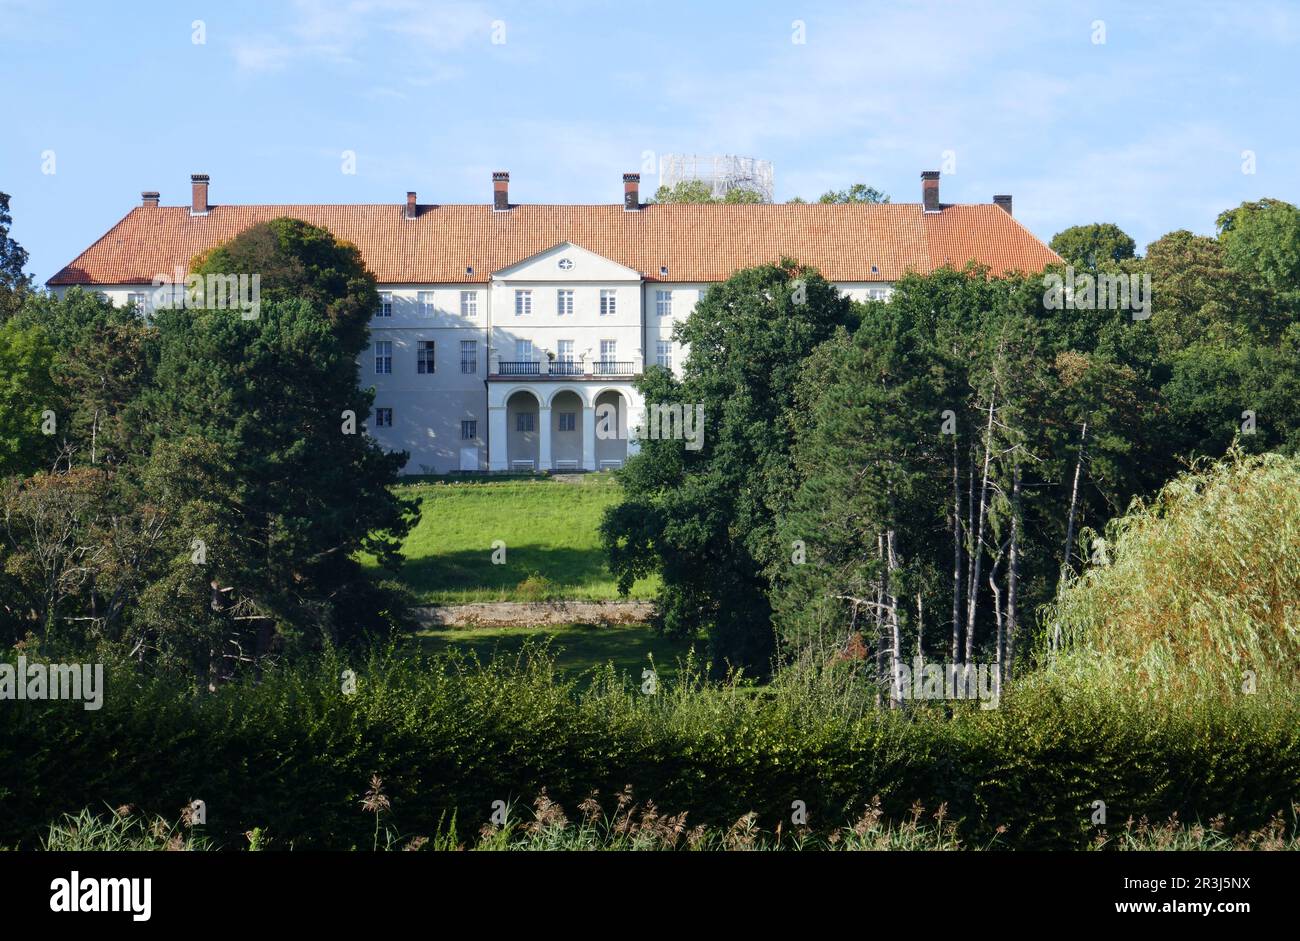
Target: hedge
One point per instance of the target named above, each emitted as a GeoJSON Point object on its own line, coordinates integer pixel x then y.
{"type": "Point", "coordinates": [293, 754]}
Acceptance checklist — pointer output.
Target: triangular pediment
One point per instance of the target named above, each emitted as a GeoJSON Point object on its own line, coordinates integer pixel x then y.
{"type": "Point", "coordinates": [566, 261]}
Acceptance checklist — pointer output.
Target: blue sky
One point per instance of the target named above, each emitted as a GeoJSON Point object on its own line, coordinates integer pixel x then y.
{"type": "Point", "coordinates": [1145, 130]}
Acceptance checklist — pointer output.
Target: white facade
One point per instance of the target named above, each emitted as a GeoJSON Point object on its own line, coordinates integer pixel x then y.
{"type": "Point", "coordinates": [520, 363]}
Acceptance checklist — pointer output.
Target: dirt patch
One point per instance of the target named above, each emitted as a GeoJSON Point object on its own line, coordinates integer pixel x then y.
{"type": "Point", "coordinates": [529, 613]}
{"type": "Point", "coordinates": [567, 478]}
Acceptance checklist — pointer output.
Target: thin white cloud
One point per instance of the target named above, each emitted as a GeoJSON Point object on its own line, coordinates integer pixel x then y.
{"type": "Point", "coordinates": [401, 33]}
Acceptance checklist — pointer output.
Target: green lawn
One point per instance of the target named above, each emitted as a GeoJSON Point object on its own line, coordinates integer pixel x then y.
{"type": "Point", "coordinates": [548, 526]}
{"type": "Point", "coordinates": [577, 648]}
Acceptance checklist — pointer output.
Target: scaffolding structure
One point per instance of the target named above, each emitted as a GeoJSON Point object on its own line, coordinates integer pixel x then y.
{"type": "Point", "coordinates": [720, 172]}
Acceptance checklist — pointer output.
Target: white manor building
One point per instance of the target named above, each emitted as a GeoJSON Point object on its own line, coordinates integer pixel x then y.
{"type": "Point", "coordinates": [503, 328]}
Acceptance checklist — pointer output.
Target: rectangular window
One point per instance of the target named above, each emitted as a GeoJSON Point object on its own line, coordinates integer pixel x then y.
{"type": "Point", "coordinates": [383, 418]}
{"type": "Point", "coordinates": [523, 303]}
{"type": "Point", "coordinates": [664, 303]}
{"type": "Point", "coordinates": [425, 300]}
{"type": "Point", "coordinates": [424, 358]}
{"type": "Point", "coordinates": [664, 353]}
{"type": "Point", "coordinates": [383, 357]}
{"type": "Point", "coordinates": [469, 303]}
{"type": "Point", "coordinates": [468, 430]}
{"type": "Point", "coordinates": [140, 301]}
{"type": "Point", "coordinates": [608, 352]}
{"type": "Point", "coordinates": [469, 356]}
{"type": "Point", "coordinates": [524, 421]}
{"type": "Point", "coordinates": [524, 351]}
{"type": "Point", "coordinates": [385, 304]}
{"type": "Point", "coordinates": [564, 351]}
{"type": "Point", "coordinates": [608, 302]}
{"type": "Point", "coordinates": [568, 421]}
{"type": "Point", "coordinates": [563, 302]}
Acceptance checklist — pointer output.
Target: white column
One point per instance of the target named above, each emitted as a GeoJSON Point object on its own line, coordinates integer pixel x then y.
{"type": "Point", "coordinates": [498, 452]}
{"type": "Point", "coordinates": [588, 438]}
{"type": "Point", "coordinates": [544, 438]}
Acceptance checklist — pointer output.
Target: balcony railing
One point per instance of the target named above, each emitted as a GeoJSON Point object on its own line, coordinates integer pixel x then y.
{"type": "Point", "coordinates": [564, 368]}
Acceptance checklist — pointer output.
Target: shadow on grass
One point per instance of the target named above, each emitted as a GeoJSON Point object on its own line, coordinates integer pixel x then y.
{"type": "Point", "coordinates": [576, 574]}
{"type": "Point", "coordinates": [577, 648]}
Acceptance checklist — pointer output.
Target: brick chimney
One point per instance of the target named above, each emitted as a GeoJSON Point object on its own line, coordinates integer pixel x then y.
{"type": "Point", "coordinates": [1004, 202]}
{"type": "Point", "coordinates": [198, 194]}
{"type": "Point", "coordinates": [631, 191]}
{"type": "Point", "coordinates": [149, 198]}
{"type": "Point", "coordinates": [410, 204]}
{"type": "Point", "coordinates": [500, 191]}
{"type": "Point", "coordinates": [930, 190]}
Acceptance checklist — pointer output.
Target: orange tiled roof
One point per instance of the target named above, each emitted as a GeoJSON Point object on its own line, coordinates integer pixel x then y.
{"type": "Point", "coordinates": [695, 242]}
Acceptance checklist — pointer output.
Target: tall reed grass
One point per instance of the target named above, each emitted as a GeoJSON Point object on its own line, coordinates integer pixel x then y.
{"type": "Point", "coordinates": [1197, 590]}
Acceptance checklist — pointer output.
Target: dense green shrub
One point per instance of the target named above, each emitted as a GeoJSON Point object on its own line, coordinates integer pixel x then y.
{"type": "Point", "coordinates": [293, 754]}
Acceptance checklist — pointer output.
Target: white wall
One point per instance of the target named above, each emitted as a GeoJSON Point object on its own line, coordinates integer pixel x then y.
{"type": "Point", "coordinates": [428, 409]}
{"type": "Point", "coordinates": [586, 275]}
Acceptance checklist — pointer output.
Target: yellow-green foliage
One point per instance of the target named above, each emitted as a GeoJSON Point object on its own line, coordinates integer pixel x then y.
{"type": "Point", "coordinates": [1198, 587]}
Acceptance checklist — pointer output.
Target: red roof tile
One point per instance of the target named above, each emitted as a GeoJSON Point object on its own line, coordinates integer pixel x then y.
{"type": "Point", "coordinates": [695, 242]}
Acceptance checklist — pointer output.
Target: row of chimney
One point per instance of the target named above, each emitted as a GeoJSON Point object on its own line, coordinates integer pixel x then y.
{"type": "Point", "coordinates": [501, 194]}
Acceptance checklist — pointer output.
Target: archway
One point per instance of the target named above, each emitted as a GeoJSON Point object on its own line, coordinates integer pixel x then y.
{"type": "Point", "coordinates": [523, 433]}
{"type": "Point", "coordinates": [566, 430]}
{"type": "Point", "coordinates": [612, 427]}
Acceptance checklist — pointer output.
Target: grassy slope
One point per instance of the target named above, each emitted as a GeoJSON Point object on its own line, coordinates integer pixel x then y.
{"type": "Point", "coordinates": [548, 526]}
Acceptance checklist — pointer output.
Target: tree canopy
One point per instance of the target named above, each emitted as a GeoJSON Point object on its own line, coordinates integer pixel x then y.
{"type": "Point", "coordinates": [697, 191]}
{"type": "Point", "coordinates": [15, 283]}
{"type": "Point", "coordinates": [1094, 246]}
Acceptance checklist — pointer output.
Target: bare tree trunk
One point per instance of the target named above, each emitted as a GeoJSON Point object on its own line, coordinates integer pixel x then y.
{"type": "Point", "coordinates": [896, 646]}
{"type": "Point", "coordinates": [997, 619]}
{"type": "Point", "coordinates": [999, 638]}
{"type": "Point", "coordinates": [979, 535]}
{"type": "Point", "coordinates": [1069, 527]}
{"type": "Point", "coordinates": [972, 549]}
{"type": "Point", "coordinates": [920, 628]}
{"type": "Point", "coordinates": [880, 621]}
{"type": "Point", "coordinates": [1013, 573]}
{"type": "Point", "coordinates": [956, 553]}
{"type": "Point", "coordinates": [1074, 499]}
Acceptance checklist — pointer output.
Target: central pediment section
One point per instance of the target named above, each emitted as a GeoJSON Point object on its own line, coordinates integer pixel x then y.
{"type": "Point", "coordinates": [566, 261]}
